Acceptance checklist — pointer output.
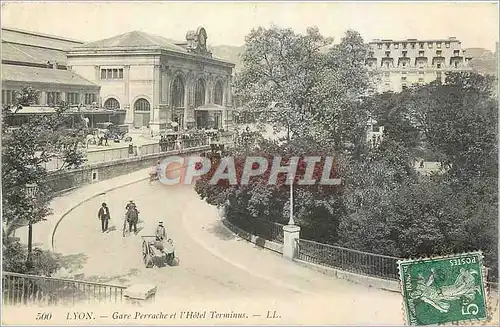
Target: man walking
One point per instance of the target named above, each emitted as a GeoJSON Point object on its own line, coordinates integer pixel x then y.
{"type": "Point", "coordinates": [104, 216]}
{"type": "Point", "coordinates": [132, 218]}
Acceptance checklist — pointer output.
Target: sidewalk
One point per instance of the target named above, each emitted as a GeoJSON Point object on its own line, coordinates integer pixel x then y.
{"type": "Point", "coordinates": [42, 232]}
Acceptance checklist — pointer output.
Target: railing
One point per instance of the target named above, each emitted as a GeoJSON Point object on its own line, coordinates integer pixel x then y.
{"type": "Point", "coordinates": [112, 154]}
{"type": "Point", "coordinates": [269, 230]}
{"type": "Point", "coordinates": [355, 261]}
{"type": "Point", "coordinates": [20, 289]}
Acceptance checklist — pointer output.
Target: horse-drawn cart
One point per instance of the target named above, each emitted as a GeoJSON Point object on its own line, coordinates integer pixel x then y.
{"type": "Point", "coordinates": [156, 252]}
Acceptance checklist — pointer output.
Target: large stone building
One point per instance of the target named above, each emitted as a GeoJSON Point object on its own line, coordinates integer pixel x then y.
{"type": "Point", "coordinates": [159, 82]}
{"type": "Point", "coordinates": [39, 61]}
{"type": "Point", "coordinates": [397, 64]}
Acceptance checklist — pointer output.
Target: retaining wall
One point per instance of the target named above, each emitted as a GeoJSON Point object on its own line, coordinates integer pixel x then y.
{"type": "Point", "coordinates": [62, 181]}
{"type": "Point", "coordinates": [389, 285]}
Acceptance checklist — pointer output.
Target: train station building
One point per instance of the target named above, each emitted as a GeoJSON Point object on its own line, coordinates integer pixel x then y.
{"type": "Point", "coordinates": [146, 81]}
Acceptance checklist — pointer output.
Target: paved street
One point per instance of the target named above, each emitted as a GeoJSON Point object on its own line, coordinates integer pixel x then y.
{"type": "Point", "coordinates": [214, 264]}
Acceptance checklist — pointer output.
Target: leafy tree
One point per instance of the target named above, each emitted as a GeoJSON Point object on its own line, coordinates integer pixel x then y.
{"type": "Point", "coordinates": [302, 85]}
{"type": "Point", "coordinates": [25, 151]}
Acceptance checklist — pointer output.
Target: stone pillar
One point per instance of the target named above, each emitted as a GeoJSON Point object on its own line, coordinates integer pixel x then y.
{"type": "Point", "coordinates": [43, 98]}
{"type": "Point", "coordinates": [129, 115]}
{"type": "Point", "coordinates": [291, 235]}
{"type": "Point", "coordinates": [165, 95]}
{"type": "Point", "coordinates": [186, 100]}
{"type": "Point", "coordinates": [97, 70]}
{"type": "Point", "coordinates": [63, 97]}
{"type": "Point", "coordinates": [154, 119]}
{"type": "Point", "coordinates": [140, 294]}
{"type": "Point", "coordinates": [207, 91]}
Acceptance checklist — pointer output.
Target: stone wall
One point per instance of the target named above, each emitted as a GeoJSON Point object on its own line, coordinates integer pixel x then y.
{"type": "Point", "coordinates": [66, 180]}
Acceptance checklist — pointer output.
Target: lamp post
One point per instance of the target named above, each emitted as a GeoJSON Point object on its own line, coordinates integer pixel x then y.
{"type": "Point", "coordinates": [290, 220]}
{"type": "Point", "coordinates": [31, 191]}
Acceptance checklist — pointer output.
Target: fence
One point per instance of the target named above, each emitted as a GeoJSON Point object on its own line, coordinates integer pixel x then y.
{"type": "Point", "coordinates": [116, 153]}
{"type": "Point", "coordinates": [20, 289]}
{"type": "Point", "coordinates": [355, 261]}
{"type": "Point", "coordinates": [269, 230]}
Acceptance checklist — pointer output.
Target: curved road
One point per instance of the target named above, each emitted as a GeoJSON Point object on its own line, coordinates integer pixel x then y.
{"type": "Point", "coordinates": [215, 265]}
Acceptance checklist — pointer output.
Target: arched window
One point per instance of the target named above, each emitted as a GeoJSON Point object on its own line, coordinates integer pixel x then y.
{"type": "Point", "coordinates": [199, 96]}
{"type": "Point", "coordinates": [218, 93]}
{"type": "Point", "coordinates": [178, 92]}
{"type": "Point", "coordinates": [111, 103]}
{"type": "Point", "coordinates": [142, 105]}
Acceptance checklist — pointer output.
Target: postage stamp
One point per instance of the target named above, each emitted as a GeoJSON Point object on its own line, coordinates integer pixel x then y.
{"type": "Point", "coordinates": [444, 289]}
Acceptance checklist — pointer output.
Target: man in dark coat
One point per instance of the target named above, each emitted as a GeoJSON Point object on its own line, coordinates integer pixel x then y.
{"type": "Point", "coordinates": [132, 218]}
{"type": "Point", "coordinates": [104, 216]}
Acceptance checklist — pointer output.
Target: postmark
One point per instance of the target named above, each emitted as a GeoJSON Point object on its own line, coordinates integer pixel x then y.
{"type": "Point", "coordinates": [441, 290]}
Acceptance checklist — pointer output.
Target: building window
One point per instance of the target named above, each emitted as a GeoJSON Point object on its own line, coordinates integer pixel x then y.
{"type": "Point", "coordinates": [438, 65]}
{"type": "Point", "coordinates": [114, 73]}
{"type": "Point", "coordinates": [199, 96]}
{"type": "Point", "coordinates": [404, 87]}
{"type": "Point", "coordinates": [430, 45]}
{"type": "Point", "coordinates": [90, 98]}
{"type": "Point", "coordinates": [404, 53]}
{"type": "Point", "coordinates": [438, 52]}
{"type": "Point", "coordinates": [387, 53]}
{"type": "Point", "coordinates": [420, 73]}
{"type": "Point", "coordinates": [218, 93]}
{"type": "Point", "coordinates": [387, 45]}
{"type": "Point", "coordinates": [142, 105]}
{"type": "Point", "coordinates": [421, 53]}
{"type": "Point", "coordinates": [421, 45]}
{"type": "Point", "coordinates": [420, 79]}
{"type": "Point", "coordinates": [371, 54]}
{"type": "Point", "coordinates": [413, 45]}
{"type": "Point", "coordinates": [53, 98]}
{"type": "Point", "coordinates": [404, 45]}
{"type": "Point", "coordinates": [438, 45]}
{"type": "Point", "coordinates": [447, 44]}
{"type": "Point", "coordinates": [178, 92]}
{"type": "Point", "coordinates": [396, 45]}
{"type": "Point", "coordinates": [379, 45]}
{"type": "Point", "coordinates": [404, 64]}
{"type": "Point", "coordinates": [403, 78]}
{"type": "Point", "coordinates": [112, 104]}
{"type": "Point", "coordinates": [73, 98]}
{"type": "Point", "coordinates": [456, 52]}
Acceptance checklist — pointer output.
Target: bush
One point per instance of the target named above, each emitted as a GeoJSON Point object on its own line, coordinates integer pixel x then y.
{"type": "Point", "coordinates": [45, 263]}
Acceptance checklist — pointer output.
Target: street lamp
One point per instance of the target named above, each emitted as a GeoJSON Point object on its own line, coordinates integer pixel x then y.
{"type": "Point", "coordinates": [31, 191]}
{"type": "Point", "coordinates": [290, 220]}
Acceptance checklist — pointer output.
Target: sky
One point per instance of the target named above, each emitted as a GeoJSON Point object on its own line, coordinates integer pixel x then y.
{"type": "Point", "coordinates": [227, 23]}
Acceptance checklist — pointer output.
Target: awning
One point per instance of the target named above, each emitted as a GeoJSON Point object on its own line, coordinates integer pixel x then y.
{"type": "Point", "coordinates": [210, 107]}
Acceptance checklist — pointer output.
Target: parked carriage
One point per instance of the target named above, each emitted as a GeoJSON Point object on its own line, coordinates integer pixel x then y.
{"type": "Point", "coordinates": [151, 255]}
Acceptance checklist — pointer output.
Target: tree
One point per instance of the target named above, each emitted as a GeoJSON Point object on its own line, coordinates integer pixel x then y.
{"type": "Point", "coordinates": [301, 85]}
{"type": "Point", "coordinates": [26, 149]}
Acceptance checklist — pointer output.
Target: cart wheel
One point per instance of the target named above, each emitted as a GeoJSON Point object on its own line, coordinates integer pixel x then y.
{"type": "Point", "coordinates": [146, 257]}
{"type": "Point", "coordinates": [124, 231]}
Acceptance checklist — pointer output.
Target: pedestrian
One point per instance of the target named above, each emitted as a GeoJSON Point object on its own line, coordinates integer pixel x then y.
{"type": "Point", "coordinates": [161, 235]}
{"type": "Point", "coordinates": [104, 216]}
{"type": "Point", "coordinates": [132, 218]}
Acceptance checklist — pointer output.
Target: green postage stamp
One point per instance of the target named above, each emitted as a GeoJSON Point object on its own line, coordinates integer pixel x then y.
{"type": "Point", "coordinates": [444, 289]}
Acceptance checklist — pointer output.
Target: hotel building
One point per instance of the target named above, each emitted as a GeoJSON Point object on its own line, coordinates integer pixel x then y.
{"type": "Point", "coordinates": [396, 65]}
